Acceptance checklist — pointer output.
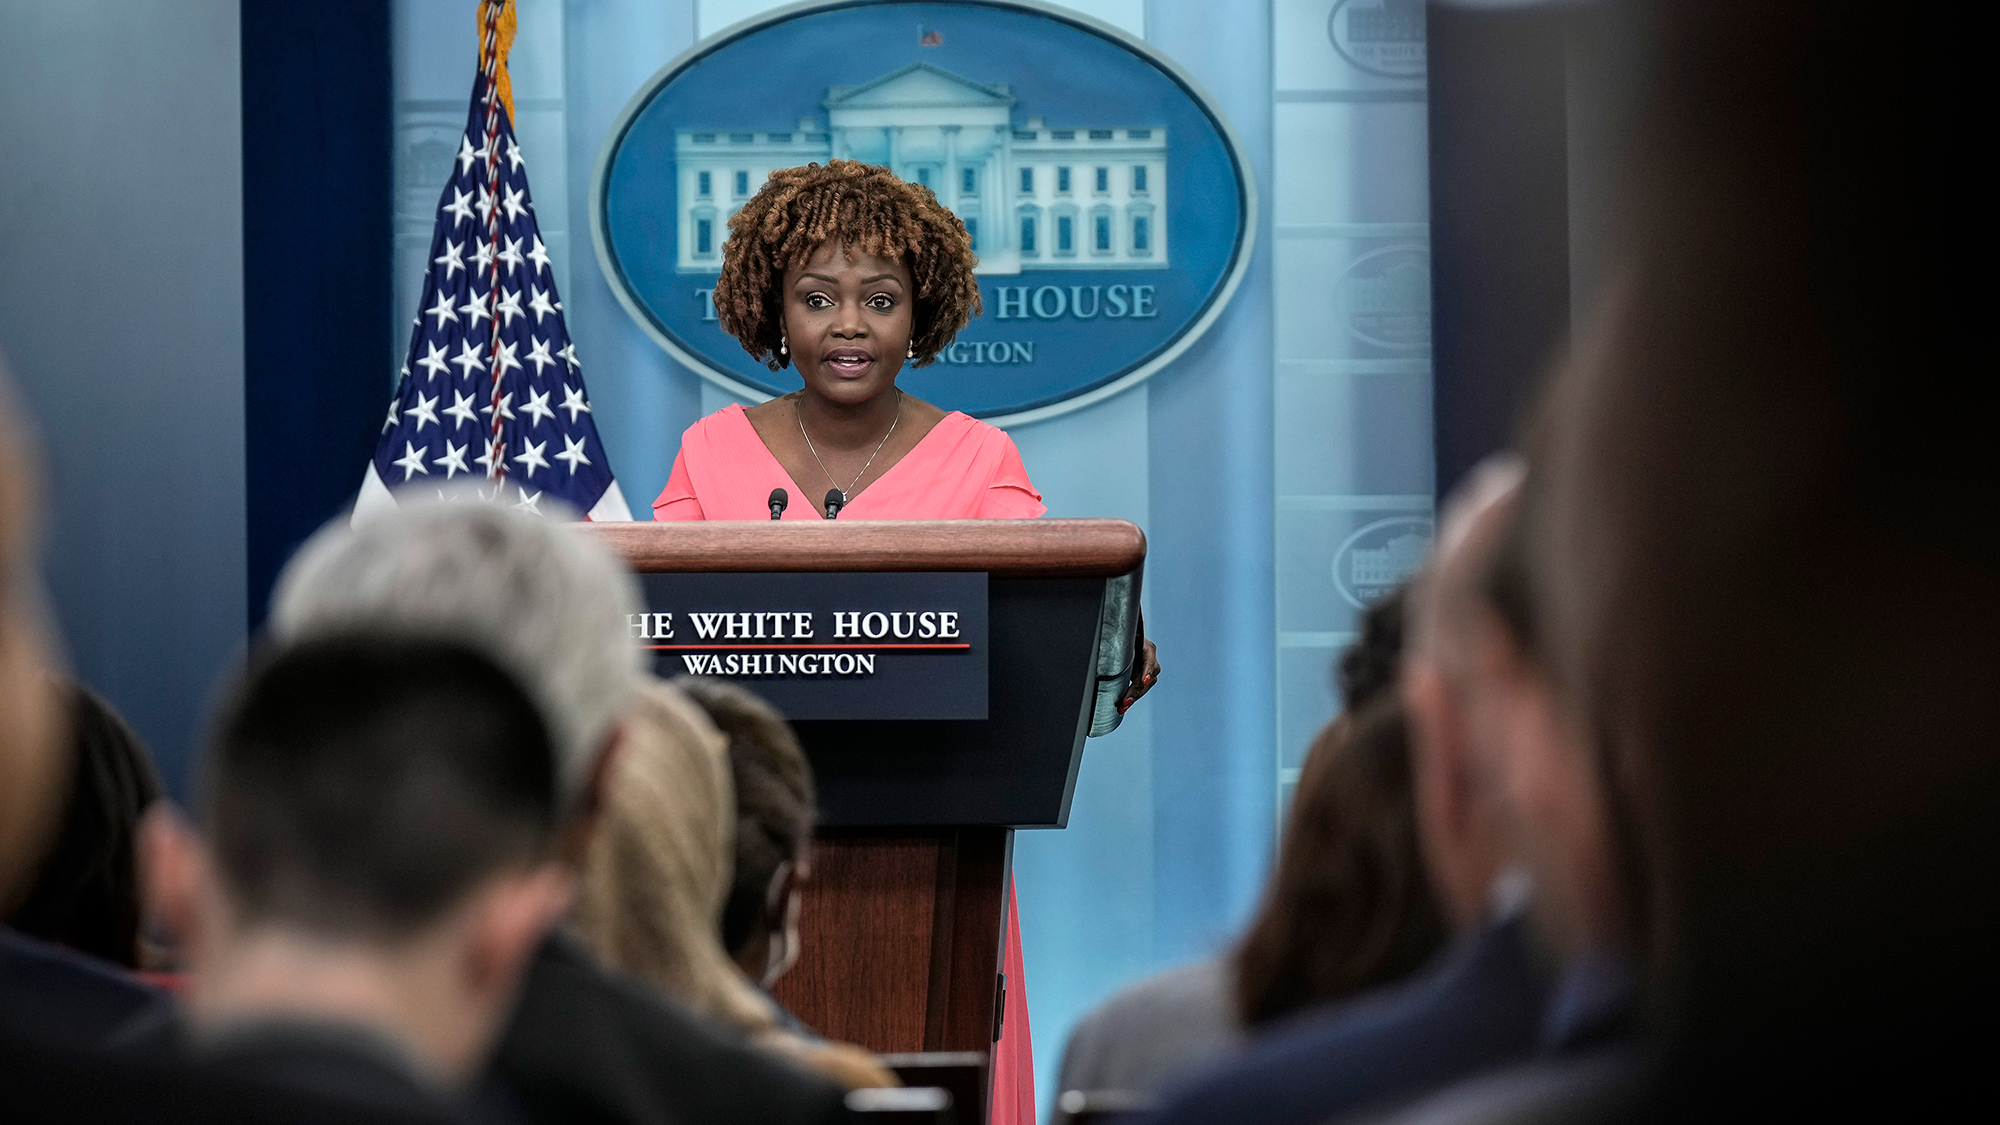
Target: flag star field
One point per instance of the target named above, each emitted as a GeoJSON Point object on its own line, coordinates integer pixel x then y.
{"type": "Point", "coordinates": [492, 389]}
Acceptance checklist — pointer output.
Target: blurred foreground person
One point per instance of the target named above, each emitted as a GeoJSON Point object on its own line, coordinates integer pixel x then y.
{"type": "Point", "coordinates": [776, 810]}
{"type": "Point", "coordinates": [1348, 907]}
{"type": "Point", "coordinates": [657, 874]}
{"type": "Point", "coordinates": [1746, 438]}
{"type": "Point", "coordinates": [1490, 755]}
{"type": "Point", "coordinates": [548, 603]}
{"type": "Point", "coordinates": [72, 940]}
{"type": "Point", "coordinates": [85, 894]}
{"type": "Point", "coordinates": [32, 724]}
{"type": "Point", "coordinates": [1746, 434]}
{"type": "Point", "coordinates": [370, 874]}
{"type": "Point", "coordinates": [45, 1078]}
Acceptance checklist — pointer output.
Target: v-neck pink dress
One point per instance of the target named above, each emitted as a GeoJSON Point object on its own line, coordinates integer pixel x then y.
{"type": "Point", "coordinates": [962, 469]}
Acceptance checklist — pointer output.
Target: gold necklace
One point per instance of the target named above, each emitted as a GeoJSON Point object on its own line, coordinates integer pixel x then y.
{"type": "Point", "coordinates": [893, 423]}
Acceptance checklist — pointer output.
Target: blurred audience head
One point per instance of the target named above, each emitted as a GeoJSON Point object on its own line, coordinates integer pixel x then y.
{"type": "Point", "coordinates": [1477, 686]}
{"type": "Point", "coordinates": [1371, 665]}
{"type": "Point", "coordinates": [1453, 640]}
{"type": "Point", "coordinates": [31, 712]}
{"type": "Point", "coordinates": [541, 597]}
{"type": "Point", "coordinates": [376, 816]}
{"type": "Point", "coordinates": [658, 873]}
{"type": "Point", "coordinates": [1558, 810]}
{"type": "Point", "coordinates": [1349, 905]}
{"type": "Point", "coordinates": [776, 809]}
{"type": "Point", "coordinates": [1762, 553]}
{"type": "Point", "coordinates": [85, 894]}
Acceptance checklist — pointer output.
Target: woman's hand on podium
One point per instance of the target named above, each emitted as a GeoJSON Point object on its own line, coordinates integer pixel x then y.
{"type": "Point", "coordinates": [1149, 671]}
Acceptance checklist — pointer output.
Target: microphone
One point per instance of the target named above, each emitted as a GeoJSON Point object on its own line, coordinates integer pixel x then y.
{"type": "Point", "coordinates": [779, 498]}
{"type": "Point", "coordinates": [835, 501]}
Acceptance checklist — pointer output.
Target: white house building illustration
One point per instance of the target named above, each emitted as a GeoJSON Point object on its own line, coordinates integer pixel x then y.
{"type": "Point", "coordinates": [1390, 563]}
{"type": "Point", "coordinates": [1032, 197]}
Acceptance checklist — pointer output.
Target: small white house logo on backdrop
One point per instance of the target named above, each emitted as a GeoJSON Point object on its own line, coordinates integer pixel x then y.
{"type": "Point", "coordinates": [1386, 297]}
{"type": "Point", "coordinates": [1383, 37]}
{"type": "Point", "coordinates": [1381, 554]}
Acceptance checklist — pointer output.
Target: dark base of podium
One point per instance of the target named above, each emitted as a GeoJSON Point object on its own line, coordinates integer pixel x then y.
{"type": "Point", "coordinates": [902, 933]}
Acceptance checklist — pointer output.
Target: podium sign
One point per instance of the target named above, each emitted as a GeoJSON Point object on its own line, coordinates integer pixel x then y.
{"type": "Point", "coordinates": [871, 645]}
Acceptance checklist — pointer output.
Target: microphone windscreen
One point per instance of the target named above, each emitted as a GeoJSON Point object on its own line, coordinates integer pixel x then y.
{"type": "Point", "coordinates": [835, 500]}
{"type": "Point", "coordinates": [780, 498]}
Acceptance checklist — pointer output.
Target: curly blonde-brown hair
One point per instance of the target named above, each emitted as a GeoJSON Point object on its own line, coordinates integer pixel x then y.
{"type": "Point", "coordinates": [864, 206]}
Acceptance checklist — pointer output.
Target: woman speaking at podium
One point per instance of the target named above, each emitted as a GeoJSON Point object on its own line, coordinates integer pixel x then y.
{"type": "Point", "coordinates": [847, 273]}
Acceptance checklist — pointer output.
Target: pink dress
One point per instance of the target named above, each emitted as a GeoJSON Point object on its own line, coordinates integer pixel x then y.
{"type": "Point", "coordinates": [962, 469]}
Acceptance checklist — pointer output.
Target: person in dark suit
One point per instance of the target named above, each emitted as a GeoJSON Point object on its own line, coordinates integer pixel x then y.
{"type": "Point", "coordinates": [1489, 755]}
{"type": "Point", "coordinates": [64, 998]}
{"type": "Point", "coordinates": [370, 875]}
{"type": "Point", "coordinates": [585, 1043]}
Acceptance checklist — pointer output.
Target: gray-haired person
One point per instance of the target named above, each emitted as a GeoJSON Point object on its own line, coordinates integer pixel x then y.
{"type": "Point", "coordinates": [549, 603]}
{"type": "Point", "coordinates": [546, 602]}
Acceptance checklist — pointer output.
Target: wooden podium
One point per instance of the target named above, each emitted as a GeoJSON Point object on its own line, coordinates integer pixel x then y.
{"type": "Point", "coordinates": [903, 917]}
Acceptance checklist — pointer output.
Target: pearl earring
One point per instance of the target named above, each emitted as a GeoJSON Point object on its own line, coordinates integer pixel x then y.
{"type": "Point", "coordinates": [783, 346]}
{"type": "Point", "coordinates": [912, 353]}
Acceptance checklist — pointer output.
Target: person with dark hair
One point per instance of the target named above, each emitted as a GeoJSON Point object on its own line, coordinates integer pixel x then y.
{"type": "Point", "coordinates": [1513, 827]}
{"type": "Point", "coordinates": [71, 941]}
{"type": "Point", "coordinates": [86, 893]}
{"type": "Point", "coordinates": [371, 873]}
{"type": "Point", "coordinates": [1348, 906]}
{"type": "Point", "coordinates": [776, 809]}
{"type": "Point", "coordinates": [585, 1041]}
{"type": "Point", "coordinates": [845, 273]}
{"type": "Point", "coordinates": [1370, 666]}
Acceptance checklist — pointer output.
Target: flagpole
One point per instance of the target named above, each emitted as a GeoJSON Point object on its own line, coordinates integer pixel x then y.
{"type": "Point", "coordinates": [491, 52]}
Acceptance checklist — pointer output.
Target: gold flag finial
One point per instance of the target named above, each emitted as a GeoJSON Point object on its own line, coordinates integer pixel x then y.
{"type": "Point", "coordinates": [496, 38]}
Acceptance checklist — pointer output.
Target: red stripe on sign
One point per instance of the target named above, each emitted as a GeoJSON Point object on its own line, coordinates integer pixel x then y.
{"type": "Point", "coordinates": [798, 648]}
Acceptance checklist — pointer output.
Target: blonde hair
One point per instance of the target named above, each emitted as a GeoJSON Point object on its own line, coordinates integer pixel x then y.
{"type": "Point", "coordinates": [650, 898]}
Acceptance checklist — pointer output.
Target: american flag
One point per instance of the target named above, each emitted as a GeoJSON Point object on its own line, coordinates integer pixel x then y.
{"type": "Point", "coordinates": [491, 389]}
